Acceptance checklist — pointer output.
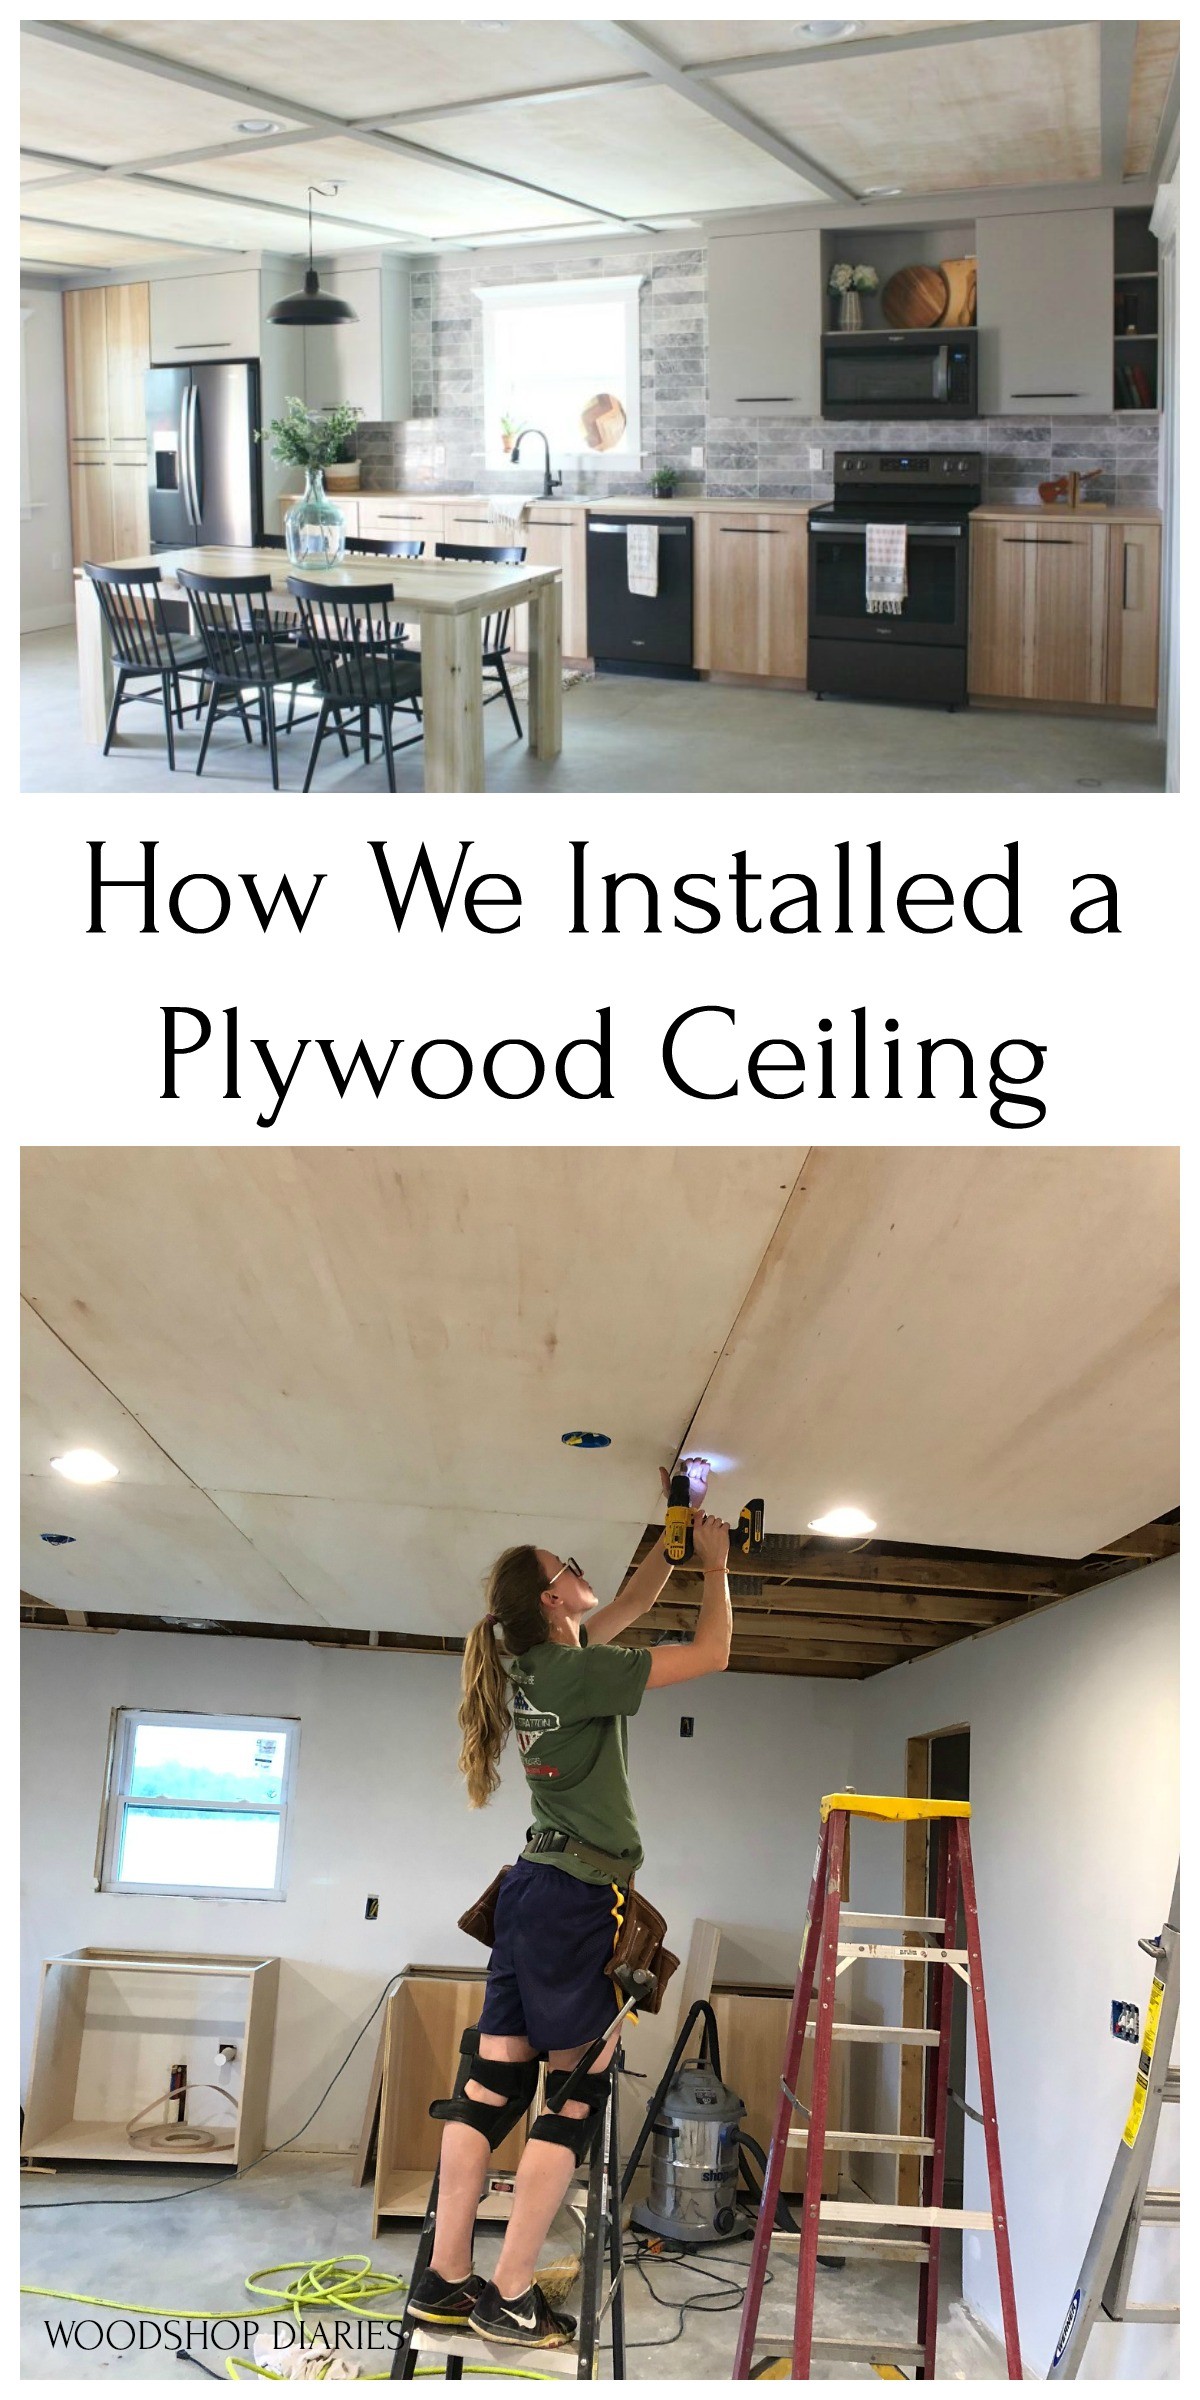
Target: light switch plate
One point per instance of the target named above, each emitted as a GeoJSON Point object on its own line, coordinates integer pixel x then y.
{"type": "Point", "coordinates": [697, 455]}
{"type": "Point", "coordinates": [816, 460]}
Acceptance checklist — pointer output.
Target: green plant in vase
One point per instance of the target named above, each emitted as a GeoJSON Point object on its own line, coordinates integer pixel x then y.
{"type": "Point", "coordinates": [311, 438]}
{"type": "Point", "coordinates": [664, 483]}
{"type": "Point", "coordinates": [847, 284]}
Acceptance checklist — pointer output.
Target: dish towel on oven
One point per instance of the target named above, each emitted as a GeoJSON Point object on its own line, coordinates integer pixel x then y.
{"type": "Point", "coordinates": [641, 560]}
{"type": "Point", "coordinates": [887, 569]}
{"type": "Point", "coordinates": [506, 515]}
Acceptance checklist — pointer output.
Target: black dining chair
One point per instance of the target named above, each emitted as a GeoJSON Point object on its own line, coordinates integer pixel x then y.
{"type": "Point", "coordinates": [364, 545]}
{"type": "Point", "coordinates": [244, 651]}
{"type": "Point", "coordinates": [495, 627]}
{"type": "Point", "coordinates": [348, 633]}
{"type": "Point", "coordinates": [144, 649]}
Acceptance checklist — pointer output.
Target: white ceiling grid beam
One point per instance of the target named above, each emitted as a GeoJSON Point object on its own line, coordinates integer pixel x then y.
{"type": "Point", "coordinates": [690, 87]}
{"type": "Point", "coordinates": [122, 233]}
{"type": "Point", "coordinates": [882, 45]}
{"type": "Point", "coordinates": [1118, 42]}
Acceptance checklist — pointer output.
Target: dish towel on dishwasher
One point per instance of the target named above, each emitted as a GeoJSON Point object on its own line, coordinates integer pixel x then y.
{"type": "Point", "coordinates": [506, 516]}
{"type": "Point", "coordinates": [887, 569]}
{"type": "Point", "coordinates": [641, 560]}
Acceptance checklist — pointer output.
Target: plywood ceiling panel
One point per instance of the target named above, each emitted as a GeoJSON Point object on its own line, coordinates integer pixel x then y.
{"type": "Point", "coordinates": [692, 43]}
{"type": "Point", "coordinates": [391, 189]}
{"type": "Point", "coordinates": [361, 68]}
{"type": "Point", "coordinates": [1024, 109]}
{"type": "Point", "coordinates": [636, 151]}
{"type": "Point", "coordinates": [412, 1326]}
{"type": "Point", "coordinates": [414, 1570]}
{"type": "Point", "coordinates": [90, 109]}
{"type": "Point", "coordinates": [1154, 61]}
{"type": "Point", "coordinates": [978, 1348]}
{"type": "Point", "coordinates": [158, 212]}
{"type": "Point", "coordinates": [70, 246]}
{"type": "Point", "coordinates": [65, 1407]}
{"type": "Point", "coordinates": [148, 1550]}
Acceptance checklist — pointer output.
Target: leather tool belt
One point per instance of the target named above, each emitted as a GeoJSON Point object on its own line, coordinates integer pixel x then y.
{"type": "Point", "coordinates": [641, 1935]}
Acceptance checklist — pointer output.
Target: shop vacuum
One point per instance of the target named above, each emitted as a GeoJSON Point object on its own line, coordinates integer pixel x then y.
{"type": "Point", "coordinates": [699, 2156]}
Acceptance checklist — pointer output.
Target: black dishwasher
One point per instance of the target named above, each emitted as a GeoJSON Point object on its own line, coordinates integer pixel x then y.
{"type": "Point", "coordinates": [628, 632]}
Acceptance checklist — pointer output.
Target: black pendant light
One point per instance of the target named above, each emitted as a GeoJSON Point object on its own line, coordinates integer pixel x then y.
{"type": "Point", "coordinates": [312, 306]}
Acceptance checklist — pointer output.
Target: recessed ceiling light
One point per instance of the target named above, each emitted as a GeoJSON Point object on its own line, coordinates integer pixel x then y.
{"type": "Point", "coordinates": [259, 125]}
{"type": "Point", "coordinates": [843, 1522]}
{"type": "Point", "coordinates": [588, 1441]}
{"type": "Point", "coordinates": [828, 29]}
{"type": "Point", "coordinates": [84, 1466]}
{"type": "Point", "coordinates": [883, 191]}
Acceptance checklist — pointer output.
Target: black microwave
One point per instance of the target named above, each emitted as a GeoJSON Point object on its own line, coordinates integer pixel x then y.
{"type": "Point", "coordinates": [898, 375]}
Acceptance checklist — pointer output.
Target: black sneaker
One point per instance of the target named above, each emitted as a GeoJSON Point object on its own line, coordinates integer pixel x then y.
{"type": "Point", "coordinates": [433, 2301]}
{"type": "Point", "coordinates": [527, 2323]}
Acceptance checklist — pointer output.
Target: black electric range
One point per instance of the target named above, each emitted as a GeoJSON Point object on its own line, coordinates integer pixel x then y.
{"type": "Point", "coordinates": [920, 655]}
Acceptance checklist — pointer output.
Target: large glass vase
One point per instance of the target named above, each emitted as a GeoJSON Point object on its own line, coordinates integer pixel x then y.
{"type": "Point", "coordinates": [315, 528]}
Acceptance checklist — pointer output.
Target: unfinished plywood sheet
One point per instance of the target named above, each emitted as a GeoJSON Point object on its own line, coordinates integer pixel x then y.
{"type": "Point", "coordinates": [173, 217]}
{"type": "Point", "coordinates": [1021, 109]}
{"type": "Point", "coordinates": [64, 1407]}
{"type": "Point", "coordinates": [91, 108]}
{"type": "Point", "coordinates": [68, 246]}
{"type": "Point", "coordinates": [635, 150]}
{"type": "Point", "coordinates": [150, 1550]}
{"type": "Point", "coordinates": [363, 67]}
{"type": "Point", "coordinates": [415, 1570]}
{"type": "Point", "coordinates": [1155, 59]}
{"type": "Point", "coordinates": [417, 1326]}
{"type": "Point", "coordinates": [391, 188]}
{"type": "Point", "coordinates": [979, 1349]}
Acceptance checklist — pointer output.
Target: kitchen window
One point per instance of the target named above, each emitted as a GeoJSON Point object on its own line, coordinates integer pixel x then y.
{"type": "Point", "coordinates": [565, 356]}
{"type": "Point", "coordinates": [197, 1805]}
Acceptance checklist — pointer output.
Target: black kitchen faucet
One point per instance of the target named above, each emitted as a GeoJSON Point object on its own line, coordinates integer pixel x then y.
{"type": "Point", "coordinates": [550, 483]}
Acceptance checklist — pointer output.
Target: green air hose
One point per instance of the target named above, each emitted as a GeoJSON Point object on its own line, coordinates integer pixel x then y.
{"type": "Point", "coordinates": [345, 2283]}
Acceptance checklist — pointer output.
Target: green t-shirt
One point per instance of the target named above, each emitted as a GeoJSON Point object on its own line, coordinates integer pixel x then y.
{"type": "Point", "coordinates": [569, 1708]}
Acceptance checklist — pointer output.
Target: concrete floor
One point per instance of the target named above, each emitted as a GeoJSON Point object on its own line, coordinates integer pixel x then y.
{"type": "Point", "coordinates": [623, 734]}
{"type": "Point", "coordinates": [194, 2253]}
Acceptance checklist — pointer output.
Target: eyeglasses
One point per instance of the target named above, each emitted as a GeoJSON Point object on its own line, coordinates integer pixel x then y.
{"type": "Point", "coordinates": [570, 1566]}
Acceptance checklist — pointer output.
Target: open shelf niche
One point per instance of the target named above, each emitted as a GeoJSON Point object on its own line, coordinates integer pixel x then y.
{"type": "Point", "coordinates": [1136, 377]}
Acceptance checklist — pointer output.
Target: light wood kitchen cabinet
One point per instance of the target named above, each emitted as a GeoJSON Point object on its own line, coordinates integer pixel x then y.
{"type": "Point", "coordinates": [127, 341]}
{"type": "Point", "coordinates": [106, 333]}
{"type": "Point", "coordinates": [1039, 610]}
{"type": "Point", "coordinates": [205, 316]}
{"type": "Point", "coordinates": [1134, 584]}
{"type": "Point", "coordinates": [752, 593]}
{"type": "Point", "coordinates": [1045, 313]}
{"type": "Point", "coordinates": [365, 364]}
{"type": "Point", "coordinates": [764, 324]}
{"type": "Point", "coordinates": [86, 340]}
{"type": "Point", "coordinates": [559, 539]}
{"type": "Point", "coordinates": [399, 519]}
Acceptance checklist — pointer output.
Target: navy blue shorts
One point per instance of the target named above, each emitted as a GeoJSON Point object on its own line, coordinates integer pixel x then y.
{"type": "Point", "coordinates": [554, 1937]}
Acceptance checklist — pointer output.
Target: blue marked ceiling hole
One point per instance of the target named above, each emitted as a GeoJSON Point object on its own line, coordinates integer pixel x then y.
{"type": "Point", "coordinates": [587, 1441]}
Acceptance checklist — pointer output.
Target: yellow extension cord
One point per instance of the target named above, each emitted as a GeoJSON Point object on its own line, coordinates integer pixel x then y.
{"type": "Point", "coordinates": [345, 2283]}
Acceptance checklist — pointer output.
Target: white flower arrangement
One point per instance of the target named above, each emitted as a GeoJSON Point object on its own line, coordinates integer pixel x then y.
{"type": "Point", "coordinates": [845, 278]}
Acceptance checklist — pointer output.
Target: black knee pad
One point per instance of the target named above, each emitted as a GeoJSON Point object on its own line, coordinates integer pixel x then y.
{"type": "Point", "coordinates": [515, 2079]}
{"type": "Point", "coordinates": [572, 2133]}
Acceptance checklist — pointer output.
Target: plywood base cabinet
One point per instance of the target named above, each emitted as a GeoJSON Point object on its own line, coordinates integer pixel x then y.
{"type": "Point", "coordinates": [1063, 611]}
{"type": "Point", "coordinates": [752, 594]}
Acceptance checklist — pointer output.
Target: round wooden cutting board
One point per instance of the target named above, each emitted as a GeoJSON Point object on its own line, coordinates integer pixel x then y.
{"type": "Point", "coordinates": [603, 422]}
{"type": "Point", "coordinates": [915, 296]}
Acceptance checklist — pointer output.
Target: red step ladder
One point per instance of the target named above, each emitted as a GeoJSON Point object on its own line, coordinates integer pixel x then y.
{"type": "Point", "coordinates": [830, 2225]}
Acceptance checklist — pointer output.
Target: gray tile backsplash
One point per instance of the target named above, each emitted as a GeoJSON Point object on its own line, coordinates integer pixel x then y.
{"type": "Point", "coordinates": [440, 447]}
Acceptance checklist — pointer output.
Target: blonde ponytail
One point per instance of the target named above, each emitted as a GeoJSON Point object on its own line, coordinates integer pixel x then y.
{"type": "Point", "coordinates": [514, 1595]}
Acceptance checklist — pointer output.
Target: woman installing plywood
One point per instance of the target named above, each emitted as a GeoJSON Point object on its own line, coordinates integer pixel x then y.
{"type": "Point", "coordinates": [567, 1688]}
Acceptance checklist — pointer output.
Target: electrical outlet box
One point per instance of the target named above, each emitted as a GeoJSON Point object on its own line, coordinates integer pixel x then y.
{"type": "Point", "coordinates": [698, 454]}
{"type": "Point", "coordinates": [816, 460]}
{"type": "Point", "coordinates": [371, 1911]}
{"type": "Point", "coordinates": [687, 1726]}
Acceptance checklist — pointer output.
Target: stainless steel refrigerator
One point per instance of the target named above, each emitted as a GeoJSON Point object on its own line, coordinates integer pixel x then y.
{"type": "Point", "coordinates": [205, 468]}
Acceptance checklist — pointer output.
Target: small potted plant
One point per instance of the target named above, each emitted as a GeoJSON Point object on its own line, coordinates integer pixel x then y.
{"type": "Point", "coordinates": [664, 483]}
{"type": "Point", "coordinates": [509, 430]}
{"type": "Point", "coordinates": [311, 438]}
{"type": "Point", "coordinates": [847, 283]}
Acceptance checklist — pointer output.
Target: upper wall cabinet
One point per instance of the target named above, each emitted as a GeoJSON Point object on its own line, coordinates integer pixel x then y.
{"type": "Point", "coordinates": [1045, 308]}
{"type": "Point", "coordinates": [764, 324]}
{"type": "Point", "coordinates": [205, 316]}
{"type": "Point", "coordinates": [365, 364]}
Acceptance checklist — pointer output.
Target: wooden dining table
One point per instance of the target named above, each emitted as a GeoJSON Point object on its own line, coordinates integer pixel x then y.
{"type": "Point", "coordinates": [447, 599]}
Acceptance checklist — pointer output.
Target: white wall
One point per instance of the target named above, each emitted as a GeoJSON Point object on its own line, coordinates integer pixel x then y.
{"type": "Point", "coordinates": [727, 1820]}
{"type": "Point", "coordinates": [46, 595]}
{"type": "Point", "coordinates": [1075, 1833]}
